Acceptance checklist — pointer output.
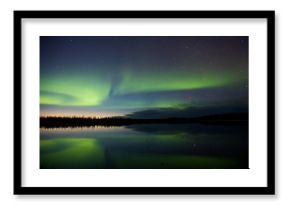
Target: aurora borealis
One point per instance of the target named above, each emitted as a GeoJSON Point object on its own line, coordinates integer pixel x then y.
{"type": "Point", "coordinates": [120, 75]}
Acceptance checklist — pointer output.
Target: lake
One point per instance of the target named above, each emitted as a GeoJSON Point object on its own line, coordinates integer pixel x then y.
{"type": "Point", "coordinates": [145, 146]}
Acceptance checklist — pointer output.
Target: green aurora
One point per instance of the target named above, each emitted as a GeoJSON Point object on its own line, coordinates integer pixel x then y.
{"type": "Point", "coordinates": [81, 76]}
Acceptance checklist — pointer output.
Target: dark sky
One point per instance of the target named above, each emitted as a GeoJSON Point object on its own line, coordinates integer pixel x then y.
{"type": "Point", "coordinates": [119, 75]}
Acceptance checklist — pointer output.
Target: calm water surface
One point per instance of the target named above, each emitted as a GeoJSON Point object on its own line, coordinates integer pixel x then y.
{"type": "Point", "coordinates": [182, 146]}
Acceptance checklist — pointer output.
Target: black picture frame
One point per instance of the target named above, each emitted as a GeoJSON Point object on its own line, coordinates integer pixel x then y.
{"type": "Point", "coordinates": [268, 15]}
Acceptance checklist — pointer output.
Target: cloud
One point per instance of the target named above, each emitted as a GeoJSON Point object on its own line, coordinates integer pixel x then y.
{"type": "Point", "coordinates": [191, 111]}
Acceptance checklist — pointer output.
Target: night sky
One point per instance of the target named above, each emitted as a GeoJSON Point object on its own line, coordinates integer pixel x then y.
{"type": "Point", "coordinates": [143, 76]}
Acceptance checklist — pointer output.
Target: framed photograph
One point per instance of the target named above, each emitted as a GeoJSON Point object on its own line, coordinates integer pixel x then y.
{"type": "Point", "coordinates": [144, 102]}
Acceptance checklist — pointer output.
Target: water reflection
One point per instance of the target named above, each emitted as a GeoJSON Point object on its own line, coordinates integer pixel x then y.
{"type": "Point", "coordinates": [145, 146]}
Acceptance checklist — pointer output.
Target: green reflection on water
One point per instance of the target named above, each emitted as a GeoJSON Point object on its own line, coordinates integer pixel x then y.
{"type": "Point", "coordinates": [82, 153]}
{"type": "Point", "coordinates": [71, 153]}
{"type": "Point", "coordinates": [111, 148]}
{"type": "Point", "coordinates": [144, 161]}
